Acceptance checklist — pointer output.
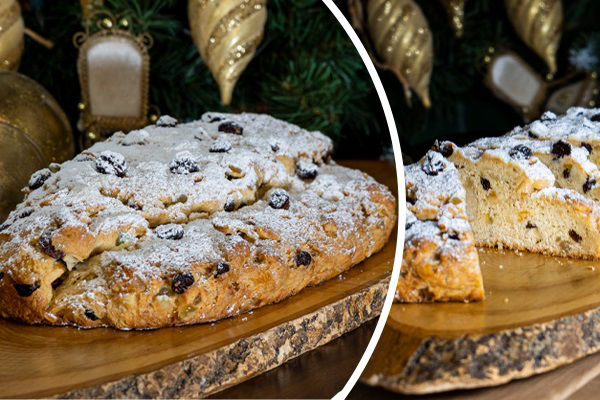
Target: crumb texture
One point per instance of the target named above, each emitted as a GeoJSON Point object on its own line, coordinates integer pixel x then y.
{"type": "Point", "coordinates": [533, 189]}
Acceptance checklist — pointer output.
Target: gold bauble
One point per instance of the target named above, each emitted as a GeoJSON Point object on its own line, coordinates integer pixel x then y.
{"type": "Point", "coordinates": [402, 39]}
{"type": "Point", "coordinates": [19, 158]}
{"type": "Point", "coordinates": [539, 24]}
{"type": "Point", "coordinates": [227, 33]}
{"type": "Point", "coordinates": [11, 35]}
{"type": "Point", "coordinates": [456, 14]}
{"type": "Point", "coordinates": [27, 106]}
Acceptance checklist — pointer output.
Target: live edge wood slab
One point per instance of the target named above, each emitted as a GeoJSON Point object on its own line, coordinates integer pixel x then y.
{"type": "Point", "coordinates": [194, 361]}
{"type": "Point", "coordinates": [540, 313]}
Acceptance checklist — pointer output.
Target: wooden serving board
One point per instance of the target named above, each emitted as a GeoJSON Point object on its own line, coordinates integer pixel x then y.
{"type": "Point", "coordinates": [540, 313]}
{"type": "Point", "coordinates": [197, 360]}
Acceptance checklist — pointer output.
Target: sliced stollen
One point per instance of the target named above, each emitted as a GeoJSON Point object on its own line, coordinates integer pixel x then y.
{"type": "Point", "coordinates": [178, 224]}
{"type": "Point", "coordinates": [579, 127]}
{"type": "Point", "coordinates": [440, 261]}
{"type": "Point", "coordinates": [512, 202]}
{"type": "Point", "coordinates": [569, 164]}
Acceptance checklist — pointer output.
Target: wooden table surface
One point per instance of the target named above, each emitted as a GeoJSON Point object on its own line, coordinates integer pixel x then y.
{"type": "Point", "coordinates": [577, 381]}
{"type": "Point", "coordinates": [320, 373]}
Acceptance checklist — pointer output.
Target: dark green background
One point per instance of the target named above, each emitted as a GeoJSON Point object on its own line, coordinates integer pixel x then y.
{"type": "Point", "coordinates": [307, 71]}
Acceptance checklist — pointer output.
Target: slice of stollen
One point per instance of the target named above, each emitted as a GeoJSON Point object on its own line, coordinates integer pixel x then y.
{"type": "Point", "coordinates": [512, 202]}
{"type": "Point", "coordinates": [440, 261]}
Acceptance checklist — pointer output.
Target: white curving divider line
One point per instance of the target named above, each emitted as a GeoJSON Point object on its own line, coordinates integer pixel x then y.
{"type": "Point", "coordinates": [389, 298]}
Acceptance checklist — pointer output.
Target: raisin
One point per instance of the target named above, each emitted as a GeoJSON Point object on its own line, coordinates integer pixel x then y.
{"type": "Point", "coordinates": [38, 178]}
{"type": "Point", "coordinates": [408, 225]}
{"type": "Point", "coordinates": [183, 163]}
{"type": "Point", "coordinates": [444, 148]}
{"type": "Point", "coordinates": [229, 204]}
{"type": "Point", "coordinates": [48, 248]}
{"type": "Point", "coordinates": [26, 290]}
{"type": "Point", "coordinates": [566, 173]}
{"type": "Point", "coordinates": [1, 275]}
{"type": "Point", "coordinates": [532, 135]}
{"type": "Point", "coordinates": [589, 184]}
{"type": "Point", "coordinates": [306, 170]}
{"type": "Point", "coordinates": [221, 269]}
{"type": "Point", "coordinates": [214, 119]}
{"type": "Point", "coordinates": [595, 118]}
{"type": "Point", "coordinates": [90, 314]}
{"type": "Point", "coordinates": [26, 212]}
{"type": "Point", "coordinates": [110, 162]}
{"type": "Point", "coordinates": [166, 121]}
{"type": "Point", "coordinates": [530, 225]}
{"type": "Point", "coordinates": [275, 147]}
{"type": "Point", "coordinates": [486, 184]}
{"type": "Point", "coordinates": [574, 236]}
{"type": "Point", "coordinates": [4, 226]}
{"type": "Point", "coordinates": [182, 281]}
{"type": "Point", "coordinates": [230, 127]}
{"type": "Point", "coordinates": [520, 152]}
{"type": "Point", "coordinates": [302, 258]}
{"type": "Point", "coordinates": [587, 146]}
{"type": "Point", "coordinates": [220, 146]}
{"type": "Point", "coordinates": [170, 232]}
{"type": "Point", "coordinates": [433, 164]}
{"type": "Point", "coordinates": [561, 149]}
{"type": "Point", "coordinates": [453, 235]}
{"type": "Point", "coordinates": [279, 199]}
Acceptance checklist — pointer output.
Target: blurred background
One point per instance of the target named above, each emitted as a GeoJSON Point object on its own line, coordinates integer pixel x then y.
{"type": "Point", "coordinates": [552, 50]}
{"type": "Point", "coordinates": [305, 69]}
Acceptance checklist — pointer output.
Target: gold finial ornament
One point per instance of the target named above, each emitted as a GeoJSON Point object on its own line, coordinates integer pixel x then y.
{"type": "Point", "coordinates": [227, 34]}
{"type": "Point", "coordinates": [539, 24]}
{"type": "Point", "coordinates": [456, 15]}
{"type": "Point", "coordinates": [11, 35]}
{"type": "Point", "coordinates": [403, 41]}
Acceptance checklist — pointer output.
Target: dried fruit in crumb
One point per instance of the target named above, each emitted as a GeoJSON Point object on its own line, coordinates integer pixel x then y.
{"type": "Point", "coordinates": [221, 268]}
{"type": "Point", "coordinates": [302, 258]}
{"type": "Point", "coordinates": [183, 163]}
{"type": "Point", "coordinates": [520, 152]}
{"type": "Point", "coordinates": [306, 170]}
{"type": "Point", "coordinates": [575, 236]}
{"type": "Point", "coordinates": [109, 162]}
{"type": "Point", "coordinates": [182, 281]}
{"type": "Point", "coordinates": [48, 248]}
{"type": "Point", "coordinates": [279, 199]}
{"type": "Point", "coordinates": [230, 127]}
{"type": "Point", "coordinates": [561, 149]}
{"type": "Point", "coordinates": [169, 231]}
{"type": "Point", "coordinates": [38, 178]}
{"type": "Point", "coordinates": [485, 184]}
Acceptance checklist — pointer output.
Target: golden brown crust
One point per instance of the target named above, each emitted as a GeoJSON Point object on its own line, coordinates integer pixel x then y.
{"type": "Point", "coordinates": [93, 252]}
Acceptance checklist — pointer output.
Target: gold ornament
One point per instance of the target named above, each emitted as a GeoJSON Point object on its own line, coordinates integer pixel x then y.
{"type": "Point", "coordinates": [539, 24]}
{"type": "Point", "coordinates": [227, 33]}
{"type": "Point", "coordinates": [402, 39]}
{"type": "Point", "coordinates": [114, 74]}
{"type": "Point", "coordinates": [34, 131]}
{"type": "Point", "coordinates": [11, 35]}
{"type": "Point", "coordinates": [27, 106]}
{"type": "Point", "coordinates": [456, 14]}
{"type": "Point", "coordinates": [19, 158]}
